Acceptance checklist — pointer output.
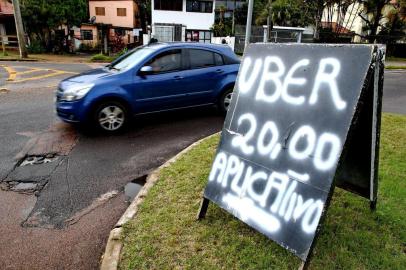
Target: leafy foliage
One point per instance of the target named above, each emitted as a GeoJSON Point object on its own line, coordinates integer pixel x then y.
{"type": "Point", "coordinates": [144, 13]}
{"type": "Point", "coordinates": [35, 47]}
{"type": "Point", "coordinates": [384, 20]}
{"type": "Point", "coordinates": [222, 28]}
{"type": "Point", "coordinates": [117, 44]}
{"type": "Point", "coordinates": [285, 13]}
{"type": "Point", "coordinates": [41, 17]}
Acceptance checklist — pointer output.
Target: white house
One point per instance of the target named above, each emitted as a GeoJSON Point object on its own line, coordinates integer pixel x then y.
{"type": "Point", "coordinates": [182, 20]}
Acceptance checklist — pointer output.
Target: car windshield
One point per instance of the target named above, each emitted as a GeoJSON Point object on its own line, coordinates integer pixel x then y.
{"type": "Point", "coordinates": [131, 59]}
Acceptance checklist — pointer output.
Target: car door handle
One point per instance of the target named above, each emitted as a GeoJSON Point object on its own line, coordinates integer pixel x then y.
{"type": "Point", "coordinates": [220, 71]}
{"type": "Point", "coordinates": [178, 78]}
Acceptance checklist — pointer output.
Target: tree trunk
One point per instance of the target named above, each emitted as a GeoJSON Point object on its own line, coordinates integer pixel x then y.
{"type": "Point", "coordinates": [377, 17]}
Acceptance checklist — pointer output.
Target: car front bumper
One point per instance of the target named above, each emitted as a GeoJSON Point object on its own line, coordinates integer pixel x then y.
{"type": "Point", "coordinates": [69, 111]}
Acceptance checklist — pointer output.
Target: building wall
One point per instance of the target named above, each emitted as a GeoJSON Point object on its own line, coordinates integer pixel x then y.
{"type": "Point", "coordinates": [6, 8]}
{"type": "Point", "coordinates": [111, 17]}
{"type": "Point", "coordinates": [192, 20]}
{"type": "Point", "coordinates": [91, 43]}
{"type": "Point", "coordinates": [7, 25]}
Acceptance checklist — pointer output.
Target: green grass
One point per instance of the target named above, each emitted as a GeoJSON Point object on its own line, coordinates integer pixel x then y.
{"type": "Point", "coordinates": [166, 235]}
{"type": "Point", "coordinates": [395, 67]}
{"type": "Point", "coordinates": [397, 59]}
{"type": "Point", "coordinates": [101, 58]}
{"type": "Point", "coordinates": [9, 54]}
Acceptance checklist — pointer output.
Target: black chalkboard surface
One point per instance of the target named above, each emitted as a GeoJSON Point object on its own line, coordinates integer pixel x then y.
{"type": "Point", "coordinates": [300, 113]}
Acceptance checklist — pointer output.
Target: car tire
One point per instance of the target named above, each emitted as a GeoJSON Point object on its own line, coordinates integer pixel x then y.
{"type": "Point", "coordinates": [225, 100]}
{"type": "Point", "coordinates": [111, 117]}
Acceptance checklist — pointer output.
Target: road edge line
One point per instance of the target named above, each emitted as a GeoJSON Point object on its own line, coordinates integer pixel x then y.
{"type": "Point", "coordinates": [112, 254]}
{"type": "Point", "coordinates": [11, 73]}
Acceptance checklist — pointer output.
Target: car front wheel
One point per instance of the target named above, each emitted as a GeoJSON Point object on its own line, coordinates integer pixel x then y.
{"type": "Point", "coordinates": [111, 117]}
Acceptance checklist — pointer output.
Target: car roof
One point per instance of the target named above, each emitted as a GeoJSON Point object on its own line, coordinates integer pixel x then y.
{"type": "Point", "coordinates": [222, 48]}
{"type": "Point", "coordinates": [160, 45]}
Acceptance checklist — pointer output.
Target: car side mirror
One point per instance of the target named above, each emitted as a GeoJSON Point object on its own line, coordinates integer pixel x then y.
{"type": "Point", "coordinates": [146, 70]}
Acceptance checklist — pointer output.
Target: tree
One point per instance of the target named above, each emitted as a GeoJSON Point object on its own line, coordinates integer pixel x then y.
{"type": "Point", "coordinates": [144, 13]}
{"type": "Point", "coordinates": [284, 13]}
{"type": "Point", "coordinates": [372, 15]}
{"type": "Point", "coordinates": [384, 20]}
{"type": "Point", "coordinates": [44, 16]}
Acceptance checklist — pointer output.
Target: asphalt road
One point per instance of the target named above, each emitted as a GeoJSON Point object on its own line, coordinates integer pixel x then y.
{"type": "Point", "coordinates": [62, 221]}
{"type": "Point", "coordinates": [58, 215]}
{"type": "Point", "coordinates": [394, 95]}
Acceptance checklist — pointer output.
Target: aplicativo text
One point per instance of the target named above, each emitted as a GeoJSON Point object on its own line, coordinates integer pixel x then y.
{"type": "Point", "coordinates": [233, 173]}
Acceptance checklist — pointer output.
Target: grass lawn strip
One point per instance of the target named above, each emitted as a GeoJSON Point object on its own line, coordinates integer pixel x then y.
{"type": "Point", "coordinates": [395, 67]}
{"type": "Point", "coordinates": [166, 235]}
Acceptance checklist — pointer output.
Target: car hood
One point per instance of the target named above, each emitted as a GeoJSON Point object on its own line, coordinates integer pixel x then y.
{"type": "Point", "coordinates": [86, 77]}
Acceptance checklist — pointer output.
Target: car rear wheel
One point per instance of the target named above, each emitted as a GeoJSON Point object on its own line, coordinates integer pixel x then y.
{"type": "Point", "coordinates": [111, 117]}
{"type": "Point", "coordinates": [225, 100]}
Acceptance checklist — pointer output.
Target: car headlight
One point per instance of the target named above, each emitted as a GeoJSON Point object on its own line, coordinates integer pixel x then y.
{"type": "Point", "coordinates": [76, 93]}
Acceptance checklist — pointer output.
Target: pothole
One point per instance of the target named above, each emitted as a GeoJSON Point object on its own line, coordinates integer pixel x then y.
{"type": "Point", "coordinates": [132, 189]}
{"type": "Point", "coordinates": [22, 187]}
{"type": "Point", "coordinates": [37, 160]}
{"type": "Point", "coordinates": [25, 187]}
{"type": "Point", "coordinates": [31, 174]}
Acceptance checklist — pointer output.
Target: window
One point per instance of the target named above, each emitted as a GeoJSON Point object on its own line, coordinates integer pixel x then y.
{"type": "Point", "coordinates": [122, 12]}
{"type": "Point", "coordinates": [86, 34]}
{"type": "Point", "coordinates": [198, 36]}
{"type": "Point", "coordinates": [203, 58]}
{"type": "Point", "coordinates": [174, 5]}
{"type": "Point", "coordinates": [166, 62]}
{"type": "Point", "coordinates": [164, 33]}
{"type": "Point", "coordinates": [100, 11]}
{"type": "Point", "coordinates": [199, 6]}
{"type": "Point", "coordinates": [218, 59]}
{"type": "Point", "coordinates": [131, 59]}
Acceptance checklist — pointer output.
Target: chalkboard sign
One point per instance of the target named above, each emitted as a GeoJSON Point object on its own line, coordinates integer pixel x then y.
{"type": "Point", "coordinates": [299, 114]}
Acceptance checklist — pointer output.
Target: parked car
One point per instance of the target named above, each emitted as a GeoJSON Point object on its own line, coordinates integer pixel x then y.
{"type": "Point", "coordinates": [152, 78]}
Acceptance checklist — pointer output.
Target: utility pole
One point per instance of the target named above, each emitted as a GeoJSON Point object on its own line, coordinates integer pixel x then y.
{"type": "Point", "coordinates": [233, 22]}
{"type": "Point", "coordinates": [249, 23]}
{"type": "Point", "coordinates": [20, 29]}
{"type": "Point", "coordinates": [269, 22]}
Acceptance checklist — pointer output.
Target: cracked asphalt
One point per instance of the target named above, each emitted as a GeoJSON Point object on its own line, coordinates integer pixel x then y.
{"type": "Point", "coordinates": [58, 215]}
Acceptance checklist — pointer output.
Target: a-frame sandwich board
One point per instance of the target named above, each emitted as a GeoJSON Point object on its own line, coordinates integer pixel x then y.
{"type": "Point", "coordinates": [303, 119]}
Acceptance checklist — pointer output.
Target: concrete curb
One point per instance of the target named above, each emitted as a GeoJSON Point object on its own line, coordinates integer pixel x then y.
{"type": "Point", "coordinates": [18, 60]}
{"type": "Point", "coordinates": [112, 253]}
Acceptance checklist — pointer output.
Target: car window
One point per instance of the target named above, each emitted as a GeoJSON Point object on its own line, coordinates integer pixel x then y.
{"type": "Point", "coordinates": [202, 58]}
{"type": "Point", "coordinates": [131, 58]}
{"type": "Point", "coordinates": [218, 59]}
{"type": "Point", "coordinates": [167, 61]}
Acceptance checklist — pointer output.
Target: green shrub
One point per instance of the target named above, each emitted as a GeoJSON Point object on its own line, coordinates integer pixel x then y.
{"type": "Point", "coordinates": [35, 47]}
{"type": "Point", "coordinates": [84, 47]}
{"type": "Point", "coordinates": [101, 58]}
{"type": "Point", "coordinates": [122, 52]}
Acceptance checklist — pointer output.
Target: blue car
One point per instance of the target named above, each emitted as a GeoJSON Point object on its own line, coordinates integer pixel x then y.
{"type": "Point", "coordinates": [153, 78]}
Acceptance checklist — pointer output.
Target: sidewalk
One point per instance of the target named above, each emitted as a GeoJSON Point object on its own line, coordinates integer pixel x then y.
{"type": "Point", "coordinates": [61, 58]}
{"type": "Point", "coordinates": [66, 58]}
